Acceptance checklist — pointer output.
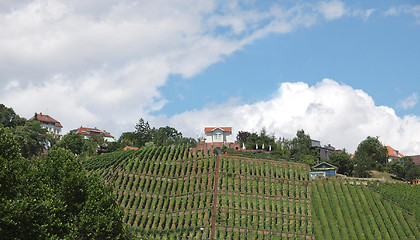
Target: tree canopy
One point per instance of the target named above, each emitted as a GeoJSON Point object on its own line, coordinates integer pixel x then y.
{"type": "Point", "coordinates": [370, 155]}
{"type": "Point", "coordinates": [54, 197]}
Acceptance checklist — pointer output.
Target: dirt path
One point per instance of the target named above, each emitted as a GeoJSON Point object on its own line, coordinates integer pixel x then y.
{"type": "Point", "coordinates": [215, 197]}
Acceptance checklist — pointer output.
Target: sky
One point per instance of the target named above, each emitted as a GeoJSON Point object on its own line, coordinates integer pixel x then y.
{"type": "Point", "coordinates": [340, 70]}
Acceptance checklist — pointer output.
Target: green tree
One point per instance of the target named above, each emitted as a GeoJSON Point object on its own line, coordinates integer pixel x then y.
{"type": "Point", "coordinates": [242, 136]}
{"type": "Point", "coordinates": [165, 136]}
{"type": "Point", "coordinates": [301, 148]}
{"type": "Point", "coordinates": [143, 132]}
{"type": "Point", "coordinates": [73, 142]}
{"type": "Point", "coordinates": [413, 173]}
{"type": "Point", "coordinates": [401, 167]}
{"type": "Point", "coordinates": [31, 138]}
{"type": "Point", "coordinates": [284, 148]}
{"type": "Point", "coordinates": [54, 198]}
{"type": "Point", "coordinates": [8, 117]}
{"type": "Point", "coordinates": [86, 208]}
{"type": "Point", "coordinates": [343, 161]}
{"type": "Point", "coordinates": [128, 139]}
{"type": "Point", "coordinates": [369, 155]}
{"type": "Point", "coordinates": [252, 141]}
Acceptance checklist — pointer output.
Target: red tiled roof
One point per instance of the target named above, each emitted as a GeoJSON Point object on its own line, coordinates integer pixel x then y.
{"type": "Point", "coordinates": [130, 148]}
{"type": "Point", "coordinates": [88, 132]}
{"type": "Point", "coordinates": [46, 118]}
{"type": "Point", "coordinates": [393, 153]}
{"type": "Point", "coordinates": [211, 129]}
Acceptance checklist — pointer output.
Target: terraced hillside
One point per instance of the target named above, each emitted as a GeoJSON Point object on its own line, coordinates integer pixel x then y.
{"type": "Point", "coordinates": [168, 193]}
{"type": "Point", "coordinates": [357, 210]}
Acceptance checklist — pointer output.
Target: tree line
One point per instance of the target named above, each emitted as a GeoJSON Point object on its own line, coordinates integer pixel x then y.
{"type": "Point", "coordinates": [370, 154]}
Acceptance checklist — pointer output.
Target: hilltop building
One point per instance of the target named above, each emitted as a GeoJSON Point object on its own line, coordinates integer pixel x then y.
{"type": "Point", "coordinates": [393, 154]}
{"type": "Point", "coordinates": [216, 138]}
{"type": "Point", "coordinates": [90, 132]}
{"type": "Point", "coordinates": [325, 151]}
{"type": "Point", "coordinates": [47, 122]}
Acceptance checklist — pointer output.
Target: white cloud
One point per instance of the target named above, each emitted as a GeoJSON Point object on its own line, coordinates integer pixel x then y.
{"type": "Point", "coordinates": [409, 102]}
{"type": "Point", "coordinates": [332, 10]}
{"type": "Point", "coordinates": [405, 9]}
{"type": "Point", "coordinates": [331, 112]}
{"type": "Point", "coordinates": [102, 62]}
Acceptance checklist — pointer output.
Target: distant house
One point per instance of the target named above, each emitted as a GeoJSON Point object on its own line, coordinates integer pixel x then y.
{"type": "Point", "coordinates": [323, 169]}
{"type": "Point", "coordinates": [218, 134]}
{"type": "Point", "coordinates": [48, 123]}
{"type": "Point", "coordinates": [90, 132]}
{"type": "Point", "coordinates": [325, 151]}
{"type": "Point", "coordinates": [393, 154]}
{"type": "Point", "coordinates": [216, 138]}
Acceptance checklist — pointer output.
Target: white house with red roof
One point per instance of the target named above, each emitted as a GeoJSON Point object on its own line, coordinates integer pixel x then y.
{"type": "Point", "coordinates": [90, 132]}
{"type": "Point", "coordinates": [393, 154]}
{"type": "Point", "coordinates": [218, 134]}
{"type": "Point", "coordinates": [216, 138]}
{"type": "Point", "coordinates": [48, 122]}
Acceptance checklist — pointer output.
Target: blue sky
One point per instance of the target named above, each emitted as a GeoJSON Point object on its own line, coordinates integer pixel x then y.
{"type": "Point", "coordinates": [340, 70]}
{"type": "Point", "coordinates": [379, 55]}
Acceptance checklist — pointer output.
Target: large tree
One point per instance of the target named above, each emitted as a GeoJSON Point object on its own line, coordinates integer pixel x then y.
{"type": "Point", "coordinates": [8, 117]}
{"type": "Point", "coordinates": [343, 161]}
{"type": "Point", "coordinates": [53, 198]}
{"type": "Point", "coordinates": [143, 132]}
{"type": "Point", "coordinates": [166, 136]}
{"type": "Point", "coordinates": [401, 167]}
{"type": "Point", "coordinates": [370, 155]}
{"type": "Point", "coordinates": [73, 142]}
{"type": "Point", "coordinates": [31, 137]}
{"type": "Point", "coordinates": [242, 136]}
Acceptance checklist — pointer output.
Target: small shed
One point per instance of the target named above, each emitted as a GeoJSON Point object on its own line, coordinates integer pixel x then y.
{"type": "Point", "coordinates": [323, 169]}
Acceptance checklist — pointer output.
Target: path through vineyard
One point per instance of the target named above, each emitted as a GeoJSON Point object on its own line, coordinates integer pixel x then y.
{"type": "Point", "coordinates": [215, 196]}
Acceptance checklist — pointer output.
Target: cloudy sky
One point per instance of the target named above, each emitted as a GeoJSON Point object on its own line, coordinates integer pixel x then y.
{"type": "Point", "coordinates": [340, 70]}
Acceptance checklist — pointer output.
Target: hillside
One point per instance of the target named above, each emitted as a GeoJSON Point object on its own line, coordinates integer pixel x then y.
{"type": "Point", "coordinates": [168, 193]}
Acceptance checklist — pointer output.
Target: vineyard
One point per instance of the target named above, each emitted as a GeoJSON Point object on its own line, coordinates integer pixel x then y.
{"type": "Point", "coordinates": [354, 210]}
{"type": "Point", "coordinates": [169, 193]}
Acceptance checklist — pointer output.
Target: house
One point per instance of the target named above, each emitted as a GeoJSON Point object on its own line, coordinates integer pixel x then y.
{"type": "Point", "coordinates": [323, 169]}
{"type": "Point", "coordinates": [393, 154]}
{"type": "Point", "coordinates": [216, 138]}
{"type": "Point", "coordinates": [325, 151]}
{"type": "Point", "coordinates": [52, 125]}
{"type": "Point", "coordinates": [90, 132]}
{"type": "Point", "coordinates": [218, 134]}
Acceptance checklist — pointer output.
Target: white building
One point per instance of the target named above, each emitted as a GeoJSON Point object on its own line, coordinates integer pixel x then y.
{"type": "Point", "coordinates": [48, 123]}
{"type": "Point", "coordinates": [218, 134]}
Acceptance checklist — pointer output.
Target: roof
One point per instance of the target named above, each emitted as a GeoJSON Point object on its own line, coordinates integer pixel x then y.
{"type": "Point", "coordinates": [130, 148]}
{"type": "Point", "coordinates": [91, 132]}
{"type": "Point", "coordinates": [224, 129]}
{"type": "Point", "coordinates": [46, 118]}
{"type": "Point", "coordinates": [322, 165]}
{"type": "Point", "coordinates": [416, 159]}
{"type": "Point", "coordinates": [393, 153]}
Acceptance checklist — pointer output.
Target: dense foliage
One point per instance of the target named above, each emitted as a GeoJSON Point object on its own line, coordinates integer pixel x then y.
{"type": "Point", "coordinates": [370, 155]}
{"type": "Point", "coordinates": [53, 197]}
